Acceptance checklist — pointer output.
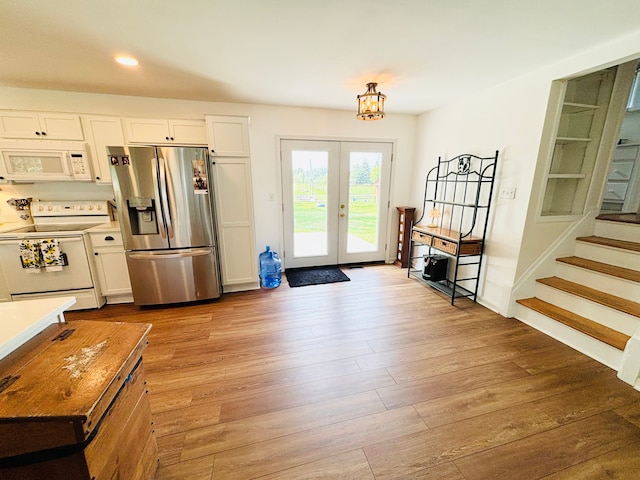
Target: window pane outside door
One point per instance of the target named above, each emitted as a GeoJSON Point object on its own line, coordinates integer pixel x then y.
{"type": "Point", "coordinates": [364, 207]}
{"type": "Point", "coordinates": [309, 174]}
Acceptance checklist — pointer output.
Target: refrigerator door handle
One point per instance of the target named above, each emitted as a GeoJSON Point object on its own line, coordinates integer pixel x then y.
{"type": "Point", "coordinates": [164, 200]}
{"type": "Point", "coordinates": [199, 252]}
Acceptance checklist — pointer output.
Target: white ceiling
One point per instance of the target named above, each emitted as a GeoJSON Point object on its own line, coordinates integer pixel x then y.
{"type": "Point", "coordinates": [309, 53]}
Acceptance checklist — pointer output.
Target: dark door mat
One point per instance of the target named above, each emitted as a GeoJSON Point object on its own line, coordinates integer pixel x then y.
{"type": "Point", "coordinates": [301, 277]}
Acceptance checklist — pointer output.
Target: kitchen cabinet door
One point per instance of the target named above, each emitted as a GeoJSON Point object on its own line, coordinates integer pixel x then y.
{"type": "Point", "coordinates": [188, 132]}
{"type": "Point", "coordinates": [236, 228]}
{"type": "Point", "coordinates": [35, 125]}
{"type": "Point", "coordinates": [146, 130]}
{"type": "Point", "coordinates": [228, 136]}
{"type": "Point", "coordinates": [102, 131]}
{"type": "Point", "coordinates": [111, 266]}
{"type": "Point", "coordinates": [160, 131]}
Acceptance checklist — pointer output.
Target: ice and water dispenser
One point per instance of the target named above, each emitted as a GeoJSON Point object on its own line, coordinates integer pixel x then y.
{"type": "Point", "coordinates": [142, 215]}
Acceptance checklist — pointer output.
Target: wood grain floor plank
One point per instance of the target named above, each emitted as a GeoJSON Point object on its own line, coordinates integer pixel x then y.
{"type": "Point", "coordinates": [197, 469]}
{"type": "Point", "coordinates": [406, 456]}
{"type": "Point", "coordinates": [473, 403]}
{"type": "Point", "coordinates": [346, 466]}
{"type": "Point", "coordinates": [271, 380]}
{"type": "Point", "coordinates": [272, 400]}
{"type": "Point", "coordinates": [606, 394]}
{"type": "Point", "coordinates": [448, 384]}
{"type": "Point", "coordinates": [298, 449]}
{"type": "Point", "coordinates": [620, 464]}
{"type": "Point", "coordinates": [561, 448]}
{"type": "Point", "coordinates": [261, 428]}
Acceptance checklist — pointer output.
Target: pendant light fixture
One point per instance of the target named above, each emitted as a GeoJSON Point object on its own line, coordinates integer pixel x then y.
{"type": "Point", "coordinates": [371, 104]}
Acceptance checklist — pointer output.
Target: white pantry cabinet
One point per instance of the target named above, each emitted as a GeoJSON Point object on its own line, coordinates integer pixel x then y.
{"type": "Point", "coordinates": [111, 265]}
{"type": "Point", "coordinates": [161, 131]}
{"type": "Point", "coordinates": [234, 204]}
{"type": "Point", "coordinates": [45, 125]}
{"type": "Point", "coordinates": [102, 131]}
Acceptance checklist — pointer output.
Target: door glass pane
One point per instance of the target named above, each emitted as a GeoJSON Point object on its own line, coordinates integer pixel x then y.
{"type": "Point", "coordinates": [364, 190]}
{"type": "Point", "coordinates": [309, 173]}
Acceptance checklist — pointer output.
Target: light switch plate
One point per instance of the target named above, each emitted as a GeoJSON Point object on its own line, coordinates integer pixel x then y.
{"type": "Point", "coordinates": [507, 192]}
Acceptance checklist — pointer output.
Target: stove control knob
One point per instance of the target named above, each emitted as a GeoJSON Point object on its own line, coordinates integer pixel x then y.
{"type": "Point", "coordinates": [40, 208]}
{"type": "Point", "coordinates": [99, 207]}
{"type": "Point", "coordinates": [50, 207]}
{"type": "Point", "coordinates": [90, 207]}
{"type": "Point", "coordinates": [81, 207]}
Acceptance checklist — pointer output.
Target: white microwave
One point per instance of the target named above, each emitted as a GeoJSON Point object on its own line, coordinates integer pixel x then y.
{"type": "Point", "coordinates": [42, 161]}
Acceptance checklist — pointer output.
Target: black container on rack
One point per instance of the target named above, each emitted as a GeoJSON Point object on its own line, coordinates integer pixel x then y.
{"type": "Point", "coordinates": [435, 267]}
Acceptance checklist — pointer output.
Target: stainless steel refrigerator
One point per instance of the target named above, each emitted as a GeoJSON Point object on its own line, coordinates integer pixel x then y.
{"type": "Point", "coordinates": [165, 208]}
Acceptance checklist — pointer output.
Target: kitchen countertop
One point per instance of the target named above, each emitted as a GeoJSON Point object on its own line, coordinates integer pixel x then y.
{"type": "Point", "coordinates": [8, 226]}
{"type": "Point", "coordinates": [112, 226]}
{"type": "Point", "coordinates": [22, 320]}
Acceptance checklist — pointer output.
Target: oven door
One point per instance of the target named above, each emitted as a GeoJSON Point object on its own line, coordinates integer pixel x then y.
{"type": "Point", "coordinates": [75, 275]}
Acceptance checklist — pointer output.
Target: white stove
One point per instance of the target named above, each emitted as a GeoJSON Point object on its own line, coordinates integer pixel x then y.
{"type": "Point", "coordinates": [51, 257]}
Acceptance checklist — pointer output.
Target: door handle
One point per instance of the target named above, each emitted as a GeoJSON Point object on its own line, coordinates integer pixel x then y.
{"type": "Point", "coordinates": [342, 214]}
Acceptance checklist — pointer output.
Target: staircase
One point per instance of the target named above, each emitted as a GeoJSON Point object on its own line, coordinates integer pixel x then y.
{"type": "Point", "coordinates": [592, 303]}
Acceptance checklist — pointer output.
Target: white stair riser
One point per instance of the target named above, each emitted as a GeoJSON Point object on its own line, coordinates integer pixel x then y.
{"type": "Point", "coordinates": [599, 281]}
{"type": "Point", "coordinates": [620, 321]}
{"type": "Point", "coordinates": [591, 347]}
{"type": "Point", "coordinates": [612, 256]}
{"type": "Point", "coordinates": [629, 232]}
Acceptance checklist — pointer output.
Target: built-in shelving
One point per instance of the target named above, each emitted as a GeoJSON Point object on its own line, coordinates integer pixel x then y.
{"type": "Point", "coordinates": [579, 129]}
{"type": "Point", "coordinates": [460, 190]}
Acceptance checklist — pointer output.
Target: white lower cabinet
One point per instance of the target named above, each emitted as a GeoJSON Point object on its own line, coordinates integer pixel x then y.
{"type": "Point", "coordinates": [111, 266]}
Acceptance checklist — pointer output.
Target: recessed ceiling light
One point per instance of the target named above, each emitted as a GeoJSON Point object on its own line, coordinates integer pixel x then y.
{"type": "Point", "coordinates": [128, 61]}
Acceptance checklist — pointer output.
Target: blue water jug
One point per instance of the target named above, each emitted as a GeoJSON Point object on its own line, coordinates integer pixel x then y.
{"type": "Point", "coordinates": [270, 268]}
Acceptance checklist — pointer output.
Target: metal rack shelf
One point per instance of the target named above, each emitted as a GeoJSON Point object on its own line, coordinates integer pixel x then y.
{"type": "Point", "coordinates": [460, 189]}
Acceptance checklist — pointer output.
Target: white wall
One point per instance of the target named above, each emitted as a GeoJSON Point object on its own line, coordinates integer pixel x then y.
{"type": "Point", "coordinates": [509, 117]}
{"type": "Point", "coordinates": [267, 123]}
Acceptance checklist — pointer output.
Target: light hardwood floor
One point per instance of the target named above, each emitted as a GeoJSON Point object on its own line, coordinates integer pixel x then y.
{"type": "Point", "coordinates": [376, 378]}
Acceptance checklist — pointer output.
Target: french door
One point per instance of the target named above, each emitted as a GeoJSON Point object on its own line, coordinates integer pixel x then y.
{"type": "Point", "coordinates": [336, 201]}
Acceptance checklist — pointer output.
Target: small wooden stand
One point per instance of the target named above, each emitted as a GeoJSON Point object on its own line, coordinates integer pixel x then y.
{"type": "Point", "coordinates": [404, 235]}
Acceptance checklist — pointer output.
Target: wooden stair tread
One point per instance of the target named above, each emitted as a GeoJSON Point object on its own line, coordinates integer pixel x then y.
{"type": "Point", "coordinates": [611, 242]}
{"type": "Point", "coordinates": [606, 299]}
{"type": "Point", "coordinates": [588, 327]}
{"type": "Point", "coordinates": [607, 269]}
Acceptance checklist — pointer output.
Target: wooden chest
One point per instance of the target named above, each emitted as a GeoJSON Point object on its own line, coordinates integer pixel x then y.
{"type": "Point", "coordinates": [73, 405]}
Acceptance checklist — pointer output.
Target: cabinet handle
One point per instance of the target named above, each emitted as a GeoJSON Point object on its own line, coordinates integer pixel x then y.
{"type": "Point", "coordinates": [97, 178]}
{"type": "Point", "coordinates": [166, 138]}
{"type": "Point", "coordinates": [96, 253]}
{"type": "Point", "coordinates": [108, 238]}
{"type": "Point", "coordinates": [37, 133]}
{"type": "Point", "coordinates": [44, 134]}
{"type": "Point", "coordinates": [213, 151]}
{"type": "Point", "coordinates": [171, 138]}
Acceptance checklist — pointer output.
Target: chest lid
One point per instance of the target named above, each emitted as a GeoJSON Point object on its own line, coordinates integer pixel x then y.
{"type": "Point", "coordinates": [68, 374]}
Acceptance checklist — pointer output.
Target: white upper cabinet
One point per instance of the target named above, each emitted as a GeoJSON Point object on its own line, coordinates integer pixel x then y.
{"type": "Point", "coordinates": [228, 136]}
{"type": "Point", "coordinates": [161, 131]}
{"type": "Point", "coordinates": [34, 125]}
{"type": "Point", "coordinates": [102, 131]}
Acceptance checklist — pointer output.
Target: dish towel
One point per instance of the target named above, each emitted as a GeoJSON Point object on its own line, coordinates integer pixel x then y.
{"type": "Point", "coordinates": [51, 255]}
{"type": "Point", "coordinates": [30, 256]}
